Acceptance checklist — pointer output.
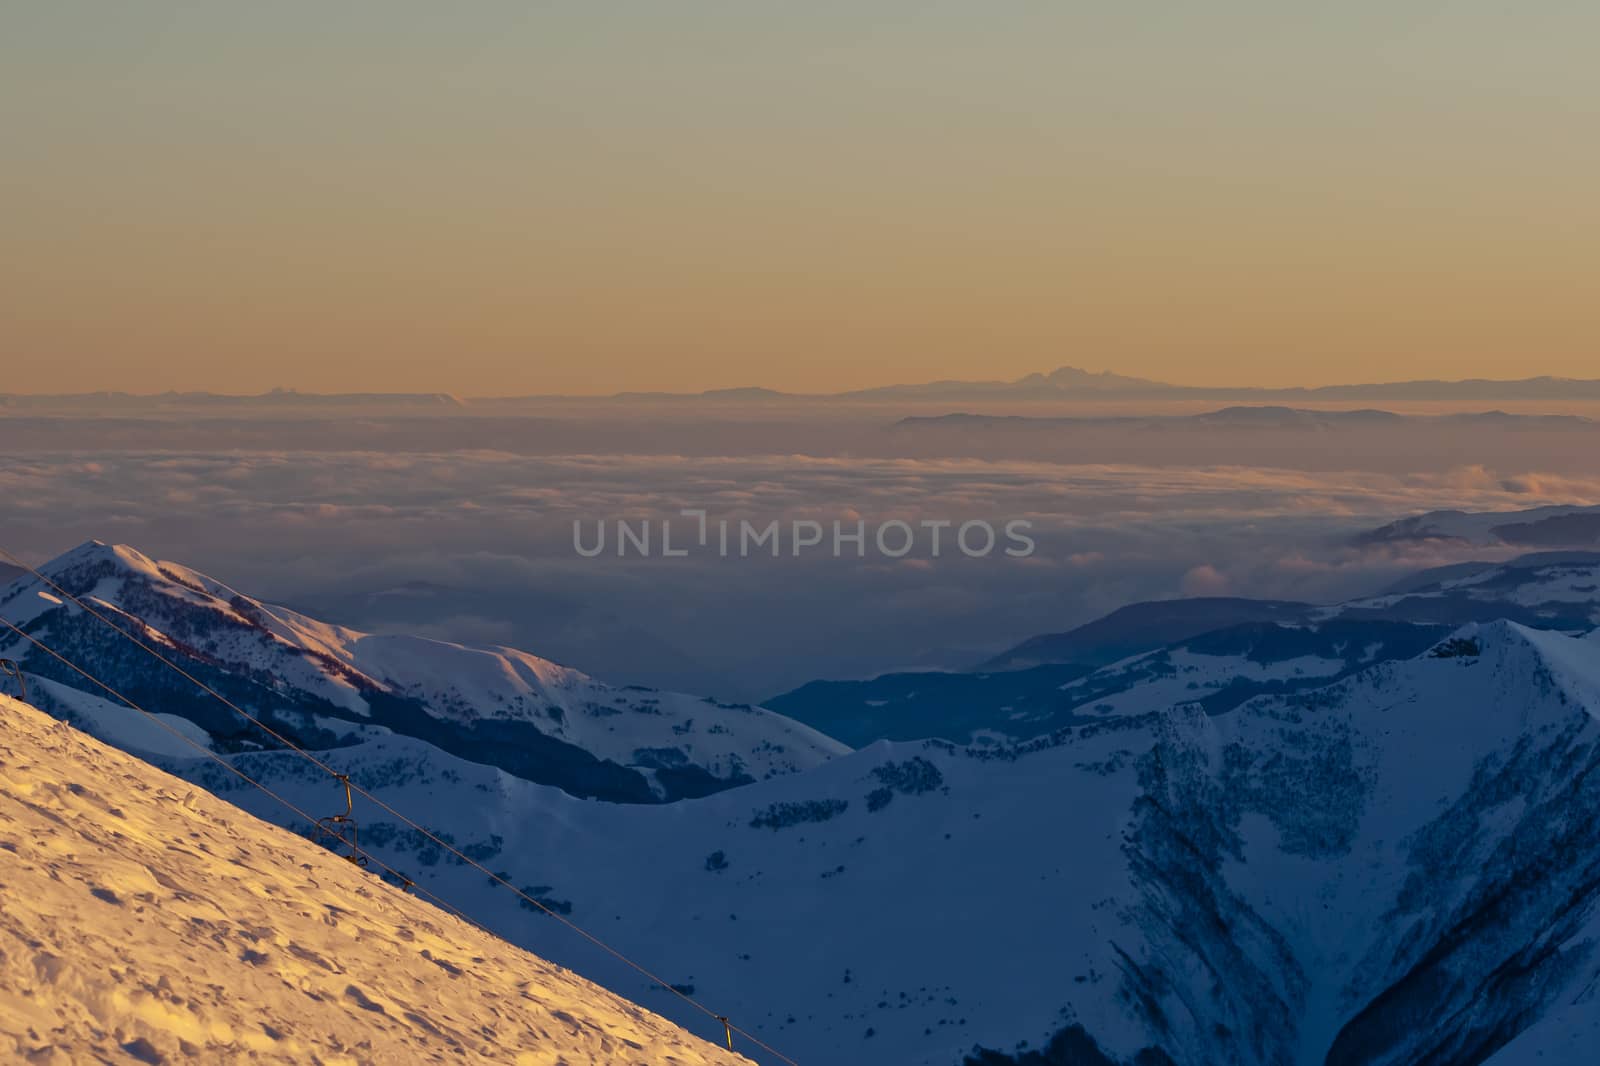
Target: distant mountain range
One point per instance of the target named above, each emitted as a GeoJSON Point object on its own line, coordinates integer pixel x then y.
{"type": "Point", "coordinates": [1269, 417]}
{"type": "Point", "coordinates": [116, 402]}
{"type": "Point", "coordinates": [1073, 383]}
{"type": "Point", "coordinates": [1070, 381]}
{"type": "Point", "coordinates": [1064, 383]}
{"type": "Point", "coordinates": [1544, 527]}
{"type": "Point", "coordinates": [1216, 653]}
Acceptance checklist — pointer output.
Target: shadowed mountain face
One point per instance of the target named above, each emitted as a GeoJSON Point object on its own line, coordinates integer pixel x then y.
{"type": "Point", "coordinates": [1560, 531]}
{"type": "Point", "coordinates": [315, 682]}
{"type": "Point", "coordinates": [1543, 527]}
{"type": "Point", "coordinates": [1142, 626]}
{"type": "Point", "coordinates": [1026, 692]}
{"type": "Point", "coordinates": [1215, 653]}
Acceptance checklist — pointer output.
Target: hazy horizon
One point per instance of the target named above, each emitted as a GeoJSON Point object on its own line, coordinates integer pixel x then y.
{"type": "Point", "coordinates": [757, 384]}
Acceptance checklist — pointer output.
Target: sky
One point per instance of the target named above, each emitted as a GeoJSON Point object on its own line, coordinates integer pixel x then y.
{"type": "Point", "coordinates": [505, 198]}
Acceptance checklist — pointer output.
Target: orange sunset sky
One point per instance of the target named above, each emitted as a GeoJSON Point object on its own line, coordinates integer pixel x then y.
{"type": "Point", "coordinates": [585, 197]}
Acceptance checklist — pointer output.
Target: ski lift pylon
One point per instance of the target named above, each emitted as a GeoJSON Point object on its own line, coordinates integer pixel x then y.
{"type": "Point", "coordinates": [9, 668]}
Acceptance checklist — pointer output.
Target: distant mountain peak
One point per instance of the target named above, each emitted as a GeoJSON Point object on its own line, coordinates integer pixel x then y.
{"type": "Point", "coordinates": [1077, 378]}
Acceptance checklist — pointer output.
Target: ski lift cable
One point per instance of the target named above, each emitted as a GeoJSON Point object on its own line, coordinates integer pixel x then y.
{"type": "Point", "coordinates": [315, 823]}
{"type": "Point", "coordinates": [405, 884]}
{"type": "Point", "coordinates": [318, 825]}
{"type": "Point", "coordinates": [376, 801]}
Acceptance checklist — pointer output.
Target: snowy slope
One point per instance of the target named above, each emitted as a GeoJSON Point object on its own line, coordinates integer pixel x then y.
{"type": "Point", "coordinates": [1376, 856]}
{"type": "Point", "coordinates": [492, 704]}
{"type": "Point", "coordinates": [1297, 880]}
{"type": "Point", "coordinates": [1552, 590]}
{"type": "Point", "coordinates": [1220, 669]}
{"type": "Point", "coordinates": [146, 921]}
{"type": "Point", "coordinates": [1132, 657]}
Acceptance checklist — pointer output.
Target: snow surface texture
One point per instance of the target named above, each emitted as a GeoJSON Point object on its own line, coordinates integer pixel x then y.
{"type": "Point", "coordinates": [147, 921]}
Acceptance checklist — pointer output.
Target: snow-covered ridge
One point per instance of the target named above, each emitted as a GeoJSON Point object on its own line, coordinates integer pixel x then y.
{"type": "Point", "coordinates": [147, 921]}
{"type": "Point", "coordinates": [1217, 652]}
{"type": "Point", "coordinates": [495, 704]}
{"type": "Point", "coordinates": [1296, 881]}
{"type": "Point", "coordinates": [1555, 526]}
{"type": "Point", "coordinates": [1559, 589]}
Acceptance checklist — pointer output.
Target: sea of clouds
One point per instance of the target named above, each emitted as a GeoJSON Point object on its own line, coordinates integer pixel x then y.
{"type": "Point", "coordinates": [477, 546]}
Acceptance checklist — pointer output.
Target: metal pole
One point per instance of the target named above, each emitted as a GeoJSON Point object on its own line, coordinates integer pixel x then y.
{"type": "Point", "coordinates": [10, 668]}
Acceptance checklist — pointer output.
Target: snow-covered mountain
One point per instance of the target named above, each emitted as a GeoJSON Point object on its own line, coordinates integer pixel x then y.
{"type": "Point", "coordinates": [1385, 852]}
{"type": "Point", "coordinates": [148, 922]}
{"type": "Point", "coordinates": [1541, 527]}
{"type": "Point", "coordinates": [1140, 627]}
{"type": "Point", "coordinates": [1218, 652]}
{"type": "Point", "coordinates": [1402, 866]}
{"type": "Point", "coordinates": [316, 681]}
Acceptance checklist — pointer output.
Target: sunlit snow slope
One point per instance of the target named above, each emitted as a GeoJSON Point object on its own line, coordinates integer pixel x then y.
{"type": "Point", "coordinates": [144, 920]}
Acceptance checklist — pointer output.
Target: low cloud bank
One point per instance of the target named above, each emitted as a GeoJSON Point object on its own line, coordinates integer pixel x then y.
{"type": "Point", "coordinates": [478, 546]}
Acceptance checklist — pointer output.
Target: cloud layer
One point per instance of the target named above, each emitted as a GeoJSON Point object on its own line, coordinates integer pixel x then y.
{"type": "Point", "coordinates": [478, 546]}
